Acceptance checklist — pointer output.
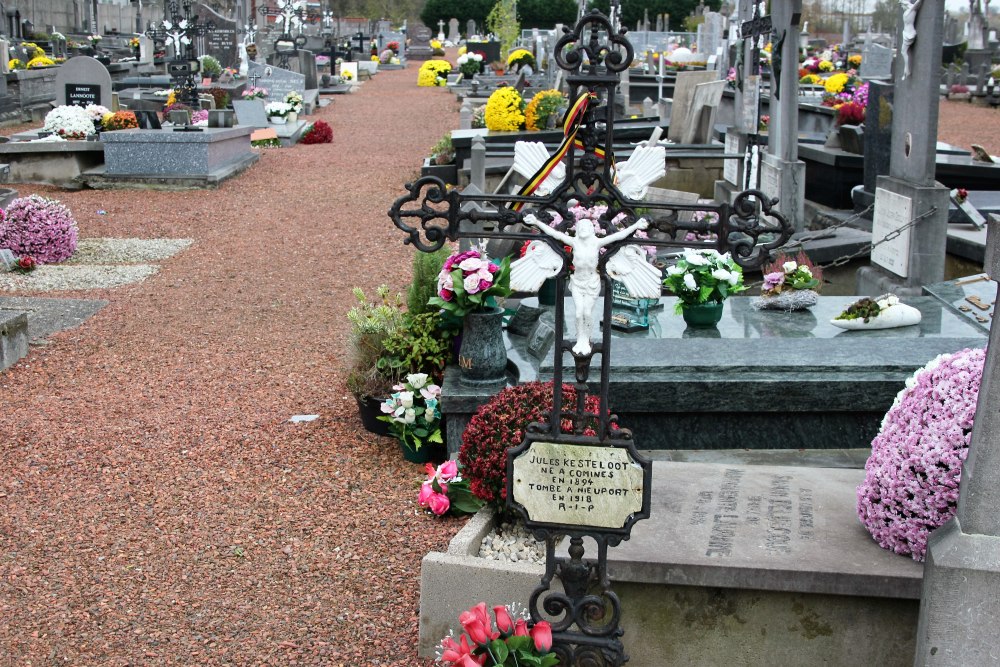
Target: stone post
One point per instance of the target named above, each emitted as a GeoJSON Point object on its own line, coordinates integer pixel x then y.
{"type": "Point", "coordinates": [960, 602]}
{"type": "Point", "coordinates": [736, 136]}
{"type": "Point", "coordinates": [783, 175]}
{"type": "Point", "coordinates": [916, 257]}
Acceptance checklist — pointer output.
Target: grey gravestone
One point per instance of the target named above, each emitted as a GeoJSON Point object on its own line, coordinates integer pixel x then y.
{"type": "Point", "coordinates": [683, 94]}
{"type": "Point", "coordinates": [221, 42]}
{"type": "Point", "coordinates": [221, 118]}
{"type": "Point", "coordinates": [959, 605]}
{"type": "Point", "coordinates": [453, 34]}
{"type": "Point", "coordinates": [470, 28]}
{"type": "Point", "coordinates": [420, 43]}
{"type": "Point", "coordinates": [307, 66]}
{"type": "Point", "coordinates": [276, 80]}
{"type": "Point", "coordinates": [878, 132]}
{"type": "Point", "coordinates": [712, 33]}
{"type": "Point", "coordinates": [250, 112]}
{"type": "Point", "coordinates": [700, 117]}
{"type": "Point", "coordinates": [81, 81]}
{"type": "Point", "coordinates": [852, 139]}
{"type": "Point", "coordinates": [876, 62]}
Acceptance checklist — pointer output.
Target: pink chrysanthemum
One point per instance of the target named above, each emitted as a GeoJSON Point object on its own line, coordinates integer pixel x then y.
{"type": "Point", "coordinates": [912, 475]}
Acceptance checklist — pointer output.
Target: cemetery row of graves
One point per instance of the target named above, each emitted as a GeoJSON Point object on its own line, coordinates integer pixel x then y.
{"type": "Point", "coordinates": [636, 249]}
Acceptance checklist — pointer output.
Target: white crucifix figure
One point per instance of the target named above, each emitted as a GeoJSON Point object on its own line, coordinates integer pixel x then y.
{"type": "Point", "coordinates": [176, 37]}
{"type": "Point", "coordinates": [628, 265]}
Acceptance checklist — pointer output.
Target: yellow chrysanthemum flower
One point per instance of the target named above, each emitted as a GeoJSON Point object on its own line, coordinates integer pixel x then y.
{"type": "Point", "coordinates": [825, 66]}
{"type": "Point", "coordinates": [835, 83]}
{"type": "Point", "coordinates": [541, 107]}
{"type": "Point", "coordinates": [433, 73]}
{"type": "Point", "coordinates": [503, 110]}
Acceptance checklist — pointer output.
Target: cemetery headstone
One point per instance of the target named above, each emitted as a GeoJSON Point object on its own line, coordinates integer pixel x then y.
{"type": "Point", "coordinates": [250, 112]}
{"type": "Point", "coordinates": [470, 29]}
{"type": "Point", "coordinates": [959, 604]}
{"type": "Point", "coordinates": [453, 34]}
{"type": "Point", "coordinates": [220, 42]}
{"type": "Point", "coordinates": [82, 80]}
{"type": "Point", "coordinates": [307, 66]}
{"type": "Point", "coordinates": [701, 114]}
{"type": "Point", "coordinates": [276, 80]}
{"type": "Point", "coordinates": [683, 95]}
{"type": "Point", "coordinates": [420, 43]}
{"type": "Point", "coordinates": [876, 62]}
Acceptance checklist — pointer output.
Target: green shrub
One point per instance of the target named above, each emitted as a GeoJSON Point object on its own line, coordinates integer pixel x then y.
{"type": "Point", "coordinates": [426, 267]}
{"type": "Point", "coordinates": [418, 346]}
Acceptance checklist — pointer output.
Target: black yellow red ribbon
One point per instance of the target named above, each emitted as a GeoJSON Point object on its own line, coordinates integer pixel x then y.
{"type": "Point", "coordinates": [571, 125]}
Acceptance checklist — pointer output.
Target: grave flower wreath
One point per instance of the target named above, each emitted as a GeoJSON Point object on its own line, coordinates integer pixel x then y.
{"type": "Point", "coordinates": [913, 473]}
{"type": "Point", "coordinates": [789, 284]}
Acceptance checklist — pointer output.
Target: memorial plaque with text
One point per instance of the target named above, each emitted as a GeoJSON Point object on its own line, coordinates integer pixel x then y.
{"type": "Point", "coordinates": [83, 94]}
{"type": "Point", "coordinates": [578, 485]}
{"type": "Point", "coordinates": [892, 212]}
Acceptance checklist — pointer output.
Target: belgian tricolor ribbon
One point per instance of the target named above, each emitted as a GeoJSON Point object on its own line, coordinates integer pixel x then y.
{"type": "Point", "coordinates": [571, 125]}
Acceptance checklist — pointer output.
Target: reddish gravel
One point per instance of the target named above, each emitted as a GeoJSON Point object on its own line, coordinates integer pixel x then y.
{"type": "Point", "coordinates": [962, 124]}
{"type": "Point", "coordinates": [156, 506]}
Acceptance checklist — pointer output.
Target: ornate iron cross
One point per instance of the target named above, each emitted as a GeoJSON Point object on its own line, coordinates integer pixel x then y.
{"type": "Point", "coordinates": [180, 31]}
{"type": "Point", "coordinates": [585, 614]}
{"type": "Point", "coordinates": [291, 13]}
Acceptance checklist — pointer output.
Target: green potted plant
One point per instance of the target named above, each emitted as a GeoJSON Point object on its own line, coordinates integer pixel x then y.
{"type": "Point", "coordinates": [441, 162]}
{"type": "Point", "coordinates": [702, 280]}
{"type": "Point", "coordinates": [372, 321]}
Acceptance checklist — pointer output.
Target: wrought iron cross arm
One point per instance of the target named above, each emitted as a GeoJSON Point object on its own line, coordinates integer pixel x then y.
{"type": "Point", "coordinates": [436, 213]}
{"type": "Point", "coordinates": [746, 226]}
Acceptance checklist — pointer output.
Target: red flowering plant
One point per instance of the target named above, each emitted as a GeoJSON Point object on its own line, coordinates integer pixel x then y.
{"type": "Point", "coordinates": [850, 113]}
{"type": "Point", "coordinates": [511, 642]}
{"type": "Point", "coordinates": [25, 264]}
{"type": "Point", "coordinates": [470, 282]}
{"type": "Point", "coordinates": [319, 132]}
{"type": "Point", "coordinates": [499, 424]}
{"type": "Point", "coordinates": [445, 490]}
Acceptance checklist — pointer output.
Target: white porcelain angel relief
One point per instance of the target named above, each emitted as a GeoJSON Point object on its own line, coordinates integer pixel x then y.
{"type": "Point", "coordinates": [628, 265]}
{"type": "Point", "coordinates": [633, 177]}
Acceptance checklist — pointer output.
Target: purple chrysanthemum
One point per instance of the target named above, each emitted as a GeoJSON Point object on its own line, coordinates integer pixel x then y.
{"type": "Point", "coordinates": [40, 228]}
{"type": "Point", "coordinates": [912, 475]}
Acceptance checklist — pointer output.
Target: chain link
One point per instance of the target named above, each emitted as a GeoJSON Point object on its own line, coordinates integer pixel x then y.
{"type": "Point", "coordinates": [866, 250]}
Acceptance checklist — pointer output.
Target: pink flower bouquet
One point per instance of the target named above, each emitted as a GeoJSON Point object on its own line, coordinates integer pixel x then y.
{"type": "Point", "coordinates": [511, 642]}
{"type": "Point", "coordinates": [444, 490]}
{"type": "Point", "coordinates": [469, 281]}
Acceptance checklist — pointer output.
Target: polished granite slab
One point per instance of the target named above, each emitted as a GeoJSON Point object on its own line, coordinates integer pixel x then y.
{"type": "Point", "coordinates": [760, 380]}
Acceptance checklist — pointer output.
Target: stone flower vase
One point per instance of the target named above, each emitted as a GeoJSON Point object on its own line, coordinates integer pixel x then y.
{"type": "Point", "coordinates": [702, 315]}
{"type": "Point", "coordinates": [482, 357]}
{"type": "Point", "coordinates": [293, 117]}
{"type": "Point", "coordinates": [277, 120]}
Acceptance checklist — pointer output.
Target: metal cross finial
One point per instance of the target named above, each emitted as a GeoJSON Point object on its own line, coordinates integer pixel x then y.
{"type": "Point", "coordinates": [252, 78]}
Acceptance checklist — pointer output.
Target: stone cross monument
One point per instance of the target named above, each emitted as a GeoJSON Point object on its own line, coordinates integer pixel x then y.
{"type": "Point", "coordinates": [960, 603]}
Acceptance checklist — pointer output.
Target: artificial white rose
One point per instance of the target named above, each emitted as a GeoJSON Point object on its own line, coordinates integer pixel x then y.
{"type": "Point", "coordinates": [409, 416]}
{"type": "Point", "coordinates": [695, 259]}
{"type": "Point", "coordinates": [722, 274]}
{"type": "Point", "coordinates": [689, 282]}
{"type": "Point", "coordinates": [417, 380]}
{"type": "Point", "coordinates": [788, 267]}
{"type": "Point", "coordinates": [674, 270]}
{"type": "Point", "coordinates": [806, 270]}
{"type": "Point", "coordinates": [406, 399]}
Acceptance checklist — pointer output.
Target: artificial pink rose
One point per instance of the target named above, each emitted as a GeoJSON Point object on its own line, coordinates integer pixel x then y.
{"type": "Point", "coordinates": [455, 651]}
{"type": "Point", "coordinates": [492, 268]}
{"type": "Point", "coordinates": [521, 628]}
{"type": "Point", "coordinates": [447, 470]}
{"type": "Point", "coordinates": [541, 634]}
{"type": "Point", "coordinates": [426, 491]}
{"type": "Point", "coordinates": [469, 661]}
{"type": "Point", "coordinates": [446, 295]}
{"type": "Point", "coordinates": [471, 283]}
{"type": "Point", "coordinates": [504, 622]}
{"type": "Point", "coordinates": [478, 631]}
{"type": "Point", "coordinates": [471, 264]}
{"type": "Point", "coordinates": [484, 285]}
{"type": "Point", "coordinates": [439, 504]}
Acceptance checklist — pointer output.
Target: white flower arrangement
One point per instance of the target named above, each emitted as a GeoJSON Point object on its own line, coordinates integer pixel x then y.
{"type": "Point", "coordinates": [49, 139]}
{"type": "Point", "coordinates": [278, 109]}
{"type": "Point", "coordinates": [59, 36]}
{"type": "Point", "coordinates": [96, 111]}
{"type": "Point", "coordinates": [69, 121]}
{"type": "Point", "coordinates": [161, 93]}
{"type": "Point", "coordinates": [466, 57]}
{"type": "Point", "coordinates": [294, 99]}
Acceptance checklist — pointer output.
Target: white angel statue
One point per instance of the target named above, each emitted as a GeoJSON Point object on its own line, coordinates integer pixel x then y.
{"type": "Point", "coordinates": [628, 265]}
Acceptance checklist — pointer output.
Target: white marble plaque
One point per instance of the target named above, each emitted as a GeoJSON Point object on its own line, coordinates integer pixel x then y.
{"type": "Point", "coordinates": [892, 211]}
{"type": "Point", "coordinates": [578, 485]}
{"type": "Point", "coordinates": [770, 179]}
{"type": "Point", "coordinates": [731, 167]}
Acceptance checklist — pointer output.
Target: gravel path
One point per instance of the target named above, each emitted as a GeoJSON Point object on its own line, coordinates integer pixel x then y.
{"type": "Point", "coordinates": [157, 507]}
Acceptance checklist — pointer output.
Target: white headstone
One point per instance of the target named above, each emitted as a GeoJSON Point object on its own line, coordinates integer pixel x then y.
{"type": "Point", "coordinates": [892, 212]}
